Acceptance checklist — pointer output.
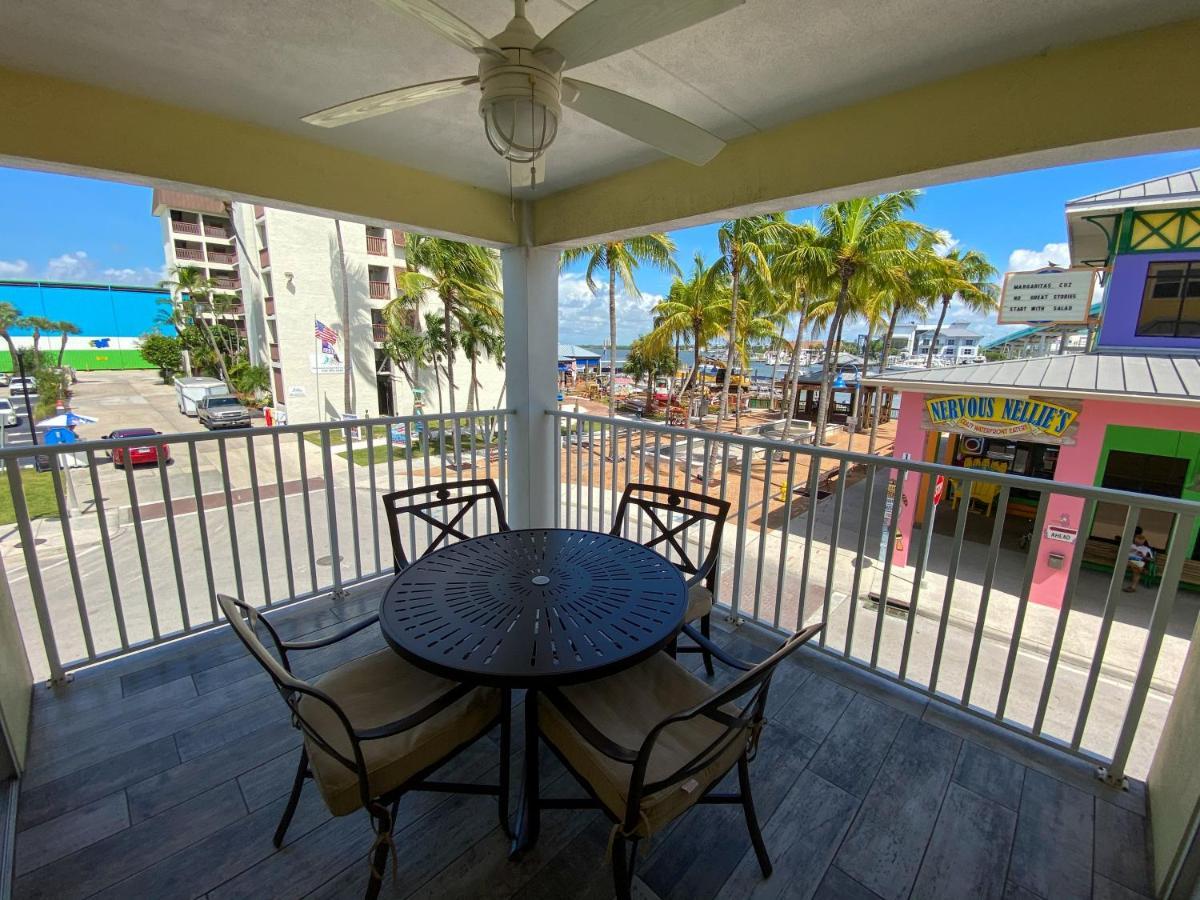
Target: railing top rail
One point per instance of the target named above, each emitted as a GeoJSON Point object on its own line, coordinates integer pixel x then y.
{"type": "Point", "coordinates": [1127, 498]}
{"type": "Point", "coordinates": [199, 437]}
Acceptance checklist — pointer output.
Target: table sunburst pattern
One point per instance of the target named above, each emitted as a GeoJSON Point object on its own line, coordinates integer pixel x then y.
{"type": "Point", "coordinates": [520, 606]}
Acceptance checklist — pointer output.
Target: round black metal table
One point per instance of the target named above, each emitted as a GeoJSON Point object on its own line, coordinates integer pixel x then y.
{"type": "Point", "coordinates": [533, 608]}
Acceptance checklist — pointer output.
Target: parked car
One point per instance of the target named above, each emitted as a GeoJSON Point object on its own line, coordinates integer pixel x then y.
{"type": "Point", "coordinates": [222, 411]}
{"type": "Point", "coordinates": [8, 413]}
{"type": "Point", "coordinates": [136, 456]}
{"type": "Point", "coordinates": [3, 379]}
{"type": "Point", "coordinates": [19, 387]}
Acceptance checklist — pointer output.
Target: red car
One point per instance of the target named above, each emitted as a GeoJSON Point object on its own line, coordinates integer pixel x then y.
{"type": "Point", "coordinates": [138, 455]}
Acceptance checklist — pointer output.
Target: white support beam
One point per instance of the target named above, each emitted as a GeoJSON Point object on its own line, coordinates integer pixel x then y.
{"type": "Point", "coordinates": [531, 362]}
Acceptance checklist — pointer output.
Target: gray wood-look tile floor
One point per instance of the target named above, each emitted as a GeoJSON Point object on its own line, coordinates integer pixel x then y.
{"type": "Point", "coordinates": [164, 774]}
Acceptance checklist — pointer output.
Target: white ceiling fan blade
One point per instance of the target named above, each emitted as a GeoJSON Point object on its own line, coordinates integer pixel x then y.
{"type": "Point", "coordinates": [448, 25]}
{"type": "Point", "coordinates": [647, 123]}
{"type": "Point", "coordinates": [605, 27]}
{"type": "Point", "coordinates": [388, 101]}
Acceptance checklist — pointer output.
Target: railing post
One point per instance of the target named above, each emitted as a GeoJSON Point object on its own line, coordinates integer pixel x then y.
{"type": "Point", "coordinates": [531, 362]}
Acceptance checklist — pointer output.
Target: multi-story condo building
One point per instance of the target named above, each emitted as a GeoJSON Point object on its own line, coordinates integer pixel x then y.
{"type": "Point", "coordinates": [305, 315]}
{"type": "Point", "coordinates": [956, 343]}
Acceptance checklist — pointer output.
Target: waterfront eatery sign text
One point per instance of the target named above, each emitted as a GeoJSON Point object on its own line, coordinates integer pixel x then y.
{"type": "Point", "coordinates": [1061, 296]}
{"type": "Point", "coordinates": [1003, 417]}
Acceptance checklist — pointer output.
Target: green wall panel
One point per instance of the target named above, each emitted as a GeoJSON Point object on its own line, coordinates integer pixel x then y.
{"type": "Point", "coordinates": [91, 360]}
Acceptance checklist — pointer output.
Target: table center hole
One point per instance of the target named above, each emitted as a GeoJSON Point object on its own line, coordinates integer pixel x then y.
{"type": "Point", "coordinates": [540, 580]}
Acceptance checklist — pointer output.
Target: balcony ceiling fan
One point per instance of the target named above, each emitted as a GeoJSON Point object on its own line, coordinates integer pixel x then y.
{"type": "Point", "coordinates": [521, 82]}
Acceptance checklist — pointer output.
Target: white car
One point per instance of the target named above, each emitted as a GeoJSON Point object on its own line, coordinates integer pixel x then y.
{"type": "Point", "coordinates": [8, 415]}
{"type": "Point", "coordinates": [20, 386]}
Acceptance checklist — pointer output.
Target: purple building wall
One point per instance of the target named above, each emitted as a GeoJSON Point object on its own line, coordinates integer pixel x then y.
{"type": "Point", "coordinates": [1123, 301]}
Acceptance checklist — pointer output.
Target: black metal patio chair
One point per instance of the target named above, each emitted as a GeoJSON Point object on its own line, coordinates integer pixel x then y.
{"type": "Point", "coordinates": [651, 742]}
{"type": "Point", "coordinates": [442, 507]}
{"type": "Point", "coordinates": [686, 528]}
{"type": "Point", "coordinates": [374, 728]}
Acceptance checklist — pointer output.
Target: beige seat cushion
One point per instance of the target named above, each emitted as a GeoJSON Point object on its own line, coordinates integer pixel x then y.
{"type": "Point", "coordinates": [374, 691]}
{"type": "Point", "coordinates": [700, 602]}
{"type": "Point", "coordinates": [624, 708]}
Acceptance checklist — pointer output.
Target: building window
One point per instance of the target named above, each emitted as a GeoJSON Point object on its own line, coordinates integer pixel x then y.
{"type": "Point", "coordinates": [1171, 302]}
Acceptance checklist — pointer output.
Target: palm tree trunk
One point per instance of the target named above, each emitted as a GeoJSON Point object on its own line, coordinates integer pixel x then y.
{"type": "Point", "coordinates": [347, 370]}
{"type": "Point", "coordinates": [612, 339]}
{"type": "Point", "coordinates": [731, 351]}
{"type": "Point", "coordinates": [937, 331]}
{"type": "Point", "coordinates": [793, 378]}
{"type": "Point", "coordinates": [835, 327]}
{"type": "Point", "coordinates": [448, 307]}
{"type": "Point", "coordinates": [473, 393]}
{"type": "Point", "coordinates": [858, 392]}
{"type": "Point", "coordinates": [62, 350]}
{"type": "Point", "coordinates": [775, 361]}
{"type": "Point", "coordinates": [886, 349]}
{"type": "Point", "coordinates": [693, 381]}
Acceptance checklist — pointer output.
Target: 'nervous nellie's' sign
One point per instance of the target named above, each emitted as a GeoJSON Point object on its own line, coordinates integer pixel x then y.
{"type": "Point", "coordinates": [1017, 418]}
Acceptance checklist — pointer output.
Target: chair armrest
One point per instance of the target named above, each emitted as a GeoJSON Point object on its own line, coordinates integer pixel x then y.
{"type": "Point", "coordinates": [588, 731]}
{"type": "Point", "coordinates": [333, 638]}
{"type": "Point", "coordinates": [443, 702]}
{"type": "Point", "coordinates": [731, 661]}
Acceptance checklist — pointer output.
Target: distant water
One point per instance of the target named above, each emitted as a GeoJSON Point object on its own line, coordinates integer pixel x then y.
{"type": "Point", "coordinates": [687, 358]}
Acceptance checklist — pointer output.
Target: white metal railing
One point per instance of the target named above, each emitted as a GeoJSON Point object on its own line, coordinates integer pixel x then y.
{"type": "Point", "coordinates": [961, 627]}
{"type": "Point", "coordinates": [127, 559]}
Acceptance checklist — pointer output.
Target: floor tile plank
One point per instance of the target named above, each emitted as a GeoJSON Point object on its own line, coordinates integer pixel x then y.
{"type": "Point", "coordinates": [968, 852]}
{"type": "Point", "coordinates": [81, 827]}
{"type": "Point", "coordinates": [1052, 853]}
{"type": "Point", "coordinates": [854, 750]}
{"type": "Point", "coordinates": [883, 849]}
{"type": "Point", "coordinates": [1121, 847]}
{"type": "Point", "coordinates": [989, 774]}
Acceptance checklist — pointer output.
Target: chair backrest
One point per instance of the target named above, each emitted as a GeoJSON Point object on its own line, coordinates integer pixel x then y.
{"type": "Point", "coordinates": [684, 526]}
{"type": "Point", "coordinates": [443, 508]}
{"type": "Point", "coordinates": [738, 708]}
{"type": "Point", "coordinates": [248, 623]}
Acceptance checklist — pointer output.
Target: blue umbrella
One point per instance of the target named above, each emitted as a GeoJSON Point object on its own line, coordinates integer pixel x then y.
{"type": "Point", "coordinates": [839, 382]}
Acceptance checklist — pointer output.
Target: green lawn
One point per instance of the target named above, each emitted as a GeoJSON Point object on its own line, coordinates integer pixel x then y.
{"type": "Point", "coordinates": [39, 496]}
{"type": "Point", "coordinates": [378, 453]}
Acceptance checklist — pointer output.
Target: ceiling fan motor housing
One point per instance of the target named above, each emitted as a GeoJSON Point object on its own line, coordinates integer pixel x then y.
{"type": "Point", "coordinates": [520, 100]}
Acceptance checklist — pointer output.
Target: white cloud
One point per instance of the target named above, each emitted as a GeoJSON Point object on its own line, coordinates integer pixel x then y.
{"type": "Point", "coordinates": [13, 267]}
{"type": "Point", "coordinates": [945, 243]}
{"type": "Point", "coordinates": [68, 267]}
{"type": "Point", "coordinates": [583, 316]}
{"type": "Point", "coordinates": [142, 276]}
{"type": "Point", "coordinates": [1023, 260]}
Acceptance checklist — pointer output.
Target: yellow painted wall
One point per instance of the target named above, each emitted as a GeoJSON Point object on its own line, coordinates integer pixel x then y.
{"type": "Point", "coordinates": [1021, 110]}
{"type": "Point", "coordinates": [68, 124]}
{"type": "Point", "coordinates": [1173, 785]}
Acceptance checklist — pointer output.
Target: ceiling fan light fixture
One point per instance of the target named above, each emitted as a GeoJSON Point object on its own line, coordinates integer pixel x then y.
{"type": "Point", "coordinates": [519, 128]}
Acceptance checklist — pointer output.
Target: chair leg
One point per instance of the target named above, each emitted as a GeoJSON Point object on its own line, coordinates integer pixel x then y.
{"type": "Point", "coordinates": [756, 838]}
{"type": "Point", "coordinates": [297, 784]}
{"type": "Point", "coordinates": [706, 631]}
{"type": "Point", "coordinates": [623, 866]}
{"type": "Point", "coordinates": [383, 825]}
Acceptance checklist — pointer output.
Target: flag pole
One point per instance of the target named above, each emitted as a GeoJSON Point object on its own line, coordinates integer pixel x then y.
{"type": "Point", "coordinates": [317, 372]}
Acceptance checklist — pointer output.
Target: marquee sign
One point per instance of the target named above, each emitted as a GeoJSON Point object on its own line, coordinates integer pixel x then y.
{"type": "Point", "coordinates": [1016, 418]}
{"type": "Point", "coordinates": [1047, 296]}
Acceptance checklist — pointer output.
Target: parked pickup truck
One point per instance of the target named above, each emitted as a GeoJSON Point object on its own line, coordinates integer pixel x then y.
{"type": "Point", "coordinates": [222, 411]}
{"type": "Point", "coordinates": [190, 391]}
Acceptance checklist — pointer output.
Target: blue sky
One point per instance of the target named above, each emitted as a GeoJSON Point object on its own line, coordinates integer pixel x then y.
{"type": "Point", "coordinates": [80, 229]}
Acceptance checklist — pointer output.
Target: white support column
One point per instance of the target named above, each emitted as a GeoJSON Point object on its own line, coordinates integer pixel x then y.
{"type": "Point", "coordinates": [531, 364]}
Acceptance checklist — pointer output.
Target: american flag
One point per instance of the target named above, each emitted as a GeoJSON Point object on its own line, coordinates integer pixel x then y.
{"type": "Point", "coordinates": [324, 332]}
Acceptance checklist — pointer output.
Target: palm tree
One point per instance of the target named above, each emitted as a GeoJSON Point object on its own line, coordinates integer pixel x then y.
{"type": "Point", "coordinates": [757, 318]}
{"type": "Point", "coordinates": [408, 349]}
{"type": "Point", "coordinates": [480, 337]}
{"type": "Point", "coordinates": [10, 317]}
{"type": "Point", "coordinates": [696, 308]}
{"type": "Point", "coordinates": [193, 296]}
{"type": "Point", "coordinates": [441, 344]}
{"type": "Point", "coordinates": [862, 240]}
{"type": "Point", "coordinates": [620, 259]}
{"type": "Point", "coordinates": [746, 246]}
{"type": "Point", "coordinates": [37, 324]}
{"type": "Point", "coordinates": [911, 297]}
{"type": "Point", "coordinates": [801, 270]}
{"type": "Point", "coordinates": [65, 330]}
{"type": "Point", "coordinates": [969, 275]}
{"type": "Point", "coordinates": [465, 277]}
